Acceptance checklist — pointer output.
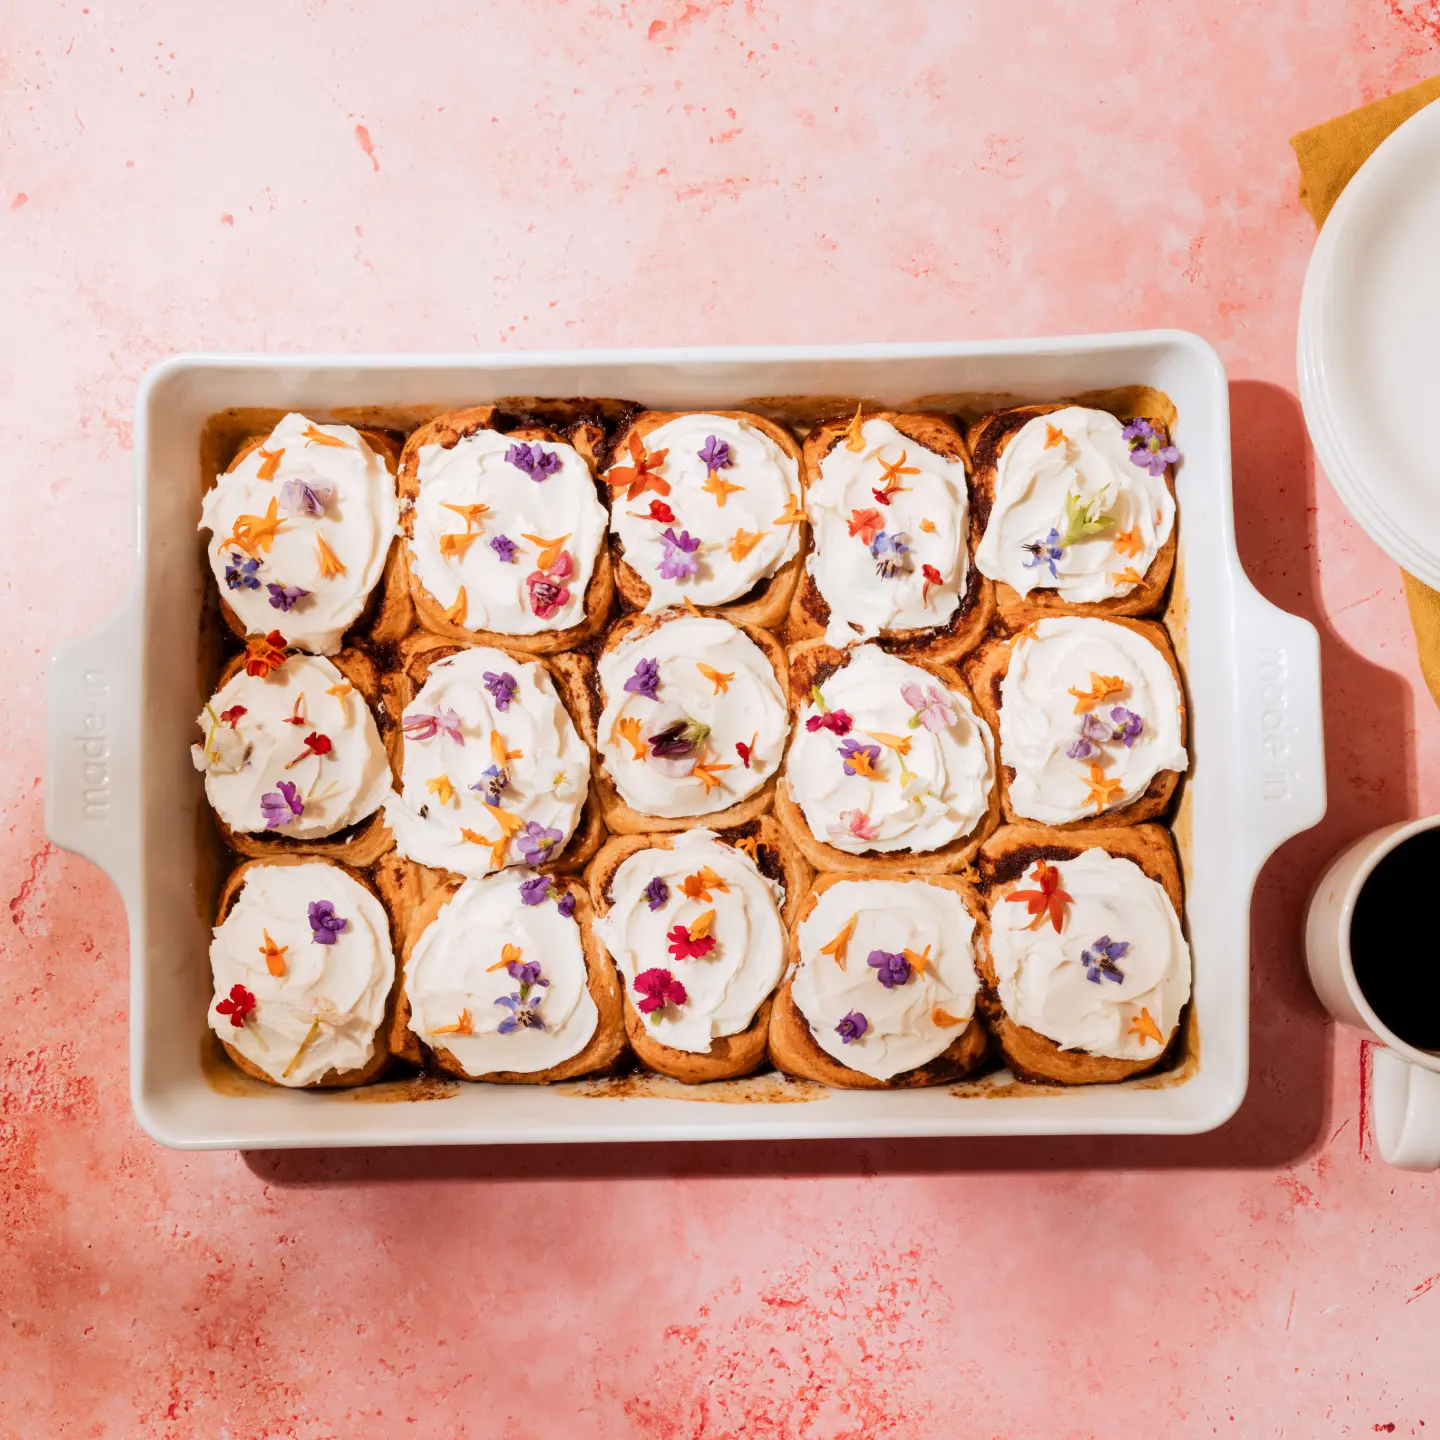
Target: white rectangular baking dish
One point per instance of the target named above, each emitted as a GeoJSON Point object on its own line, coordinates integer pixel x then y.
{"type": "Point", "coordinates": [120, 789]}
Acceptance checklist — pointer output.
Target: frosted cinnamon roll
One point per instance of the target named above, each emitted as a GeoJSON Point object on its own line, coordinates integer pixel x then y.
{"type": "Point", "coordinates": [301, 526]}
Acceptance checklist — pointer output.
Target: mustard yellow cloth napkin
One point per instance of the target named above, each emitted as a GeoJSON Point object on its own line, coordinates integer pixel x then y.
{"type": "Point", "coordinates": [1329, 155]}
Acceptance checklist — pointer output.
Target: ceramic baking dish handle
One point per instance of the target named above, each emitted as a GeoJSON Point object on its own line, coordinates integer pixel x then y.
{"type": "Point", "coordinates": [1281, 755]}
{"type": "Point", "coordinates": [92, 738]}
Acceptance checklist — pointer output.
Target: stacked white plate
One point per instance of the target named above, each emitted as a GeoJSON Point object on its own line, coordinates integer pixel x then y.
{"type": "Point", "coordinates": [1369, 346]}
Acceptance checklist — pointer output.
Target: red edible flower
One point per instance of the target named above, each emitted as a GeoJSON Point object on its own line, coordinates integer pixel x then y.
{"type": "Point", "coordinates": [320, 744]}
{"type": "Point", "coordinates": [658, 988]}
{"type": "Point", "coordinates": [231, 717]}
{"type": "Point", "coordinates": [239, 1004]}
{"type": "Point", "coordinates": [837, 722]}
{"type": "Point", "coordinates": [264, 653]}
{"type": "Point", "coordinates": [683, 947]}
{"type": "Point", "coordinates": [932, 577]}
{"type": "Point", "coordinates": [867, 524]}
{"type": "Point", "coordinates": [746, 752]}
{"type": "Point", "coordinates": [660, 512]}
{"type": "Point", "coordinates": [1049, 900]}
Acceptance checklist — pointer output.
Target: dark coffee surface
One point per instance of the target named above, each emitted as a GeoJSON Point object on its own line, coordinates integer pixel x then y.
{"type": "Point", "coordinates": [1395, 940]}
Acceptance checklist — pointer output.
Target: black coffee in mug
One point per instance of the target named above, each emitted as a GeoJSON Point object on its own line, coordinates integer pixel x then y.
{"type": "Point", "coordinates": [1395, 940]}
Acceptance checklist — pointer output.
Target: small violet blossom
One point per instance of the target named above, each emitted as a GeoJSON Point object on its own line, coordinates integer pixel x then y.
{"type": "Point", "coordinates": [657, 892]}
{"type": "Point", "coordinates": [536, 890]}
{"type": "Point", "coordinates": [1150, 447]}
{"type": "Point", "coordinates": [524, 1013]}
{"type": "Point", "coordinates": [536, 842]}
{"type": "Point", "coordinates": [494, 780]}
{"type": "Point", "coordinates": [566, 904]}
{"type": "Point", "coordinates": [677, 741]}
{"type": "Point", "coordinates": [285, 597]}
{"type": "Point", "coordinates": [679, 561]}
{"type": "Point", "coordinates": [502, 688]}
{"type": "Point", "coordinates": [240, 572]}
{"type": "Point", "coordinates": [716, 454]}
{"type": "Point", "coordinates": [1093, 733]}
{"type": "Point", "coordinates": [1099, 960]}
{"type": "Point", "coordinates": [1128, 726]}
{"type": "Point", "coordinates": [645, 680]}
{"type": "Point", "coordinates": [304, 497]}
{"type": "Point", "coordinates": [852, 1027]}
{"type": "Point", "coordinates": [891, 553]}
{"type": "Point", "coordinates": [504, 547]}
{"type": "Point", "coordinates": [1045, 552]}
{"type": "Point", "coordinates": [891, 969]}
{"type": "Point", "coordinates": [426, 727]}
{"type": "Point", "coordinates": [325, 924]}
{"type": "Point", "coordinates": [538, 464]}
{"type": "Point", "coordinates": [282, 807]}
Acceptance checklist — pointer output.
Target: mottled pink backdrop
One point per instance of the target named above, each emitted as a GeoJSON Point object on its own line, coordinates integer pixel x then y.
{"type": "Point", "coordinates": [332, 176]}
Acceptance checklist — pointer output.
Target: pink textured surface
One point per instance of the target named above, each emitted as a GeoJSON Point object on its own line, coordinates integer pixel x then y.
{"type": "Point", "coordinates": [331, 176]}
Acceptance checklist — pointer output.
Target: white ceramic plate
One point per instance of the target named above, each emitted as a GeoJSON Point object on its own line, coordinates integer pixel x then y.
{"type": "Point", "coordinates": [120, 788]}
{"type": "Point", "coordinates": [1369, 346]}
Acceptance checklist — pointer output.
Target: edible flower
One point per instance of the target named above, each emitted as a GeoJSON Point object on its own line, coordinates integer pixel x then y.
{"type": "Point", "coordinates": [646, 679]}
{"type": "Point", "coordinates": [1101, 688]}
{"type": "Point", "coordinates": [329, 562]}
{"type": "Point", "coordinates": [900, 744]}
{"type": "Point", "coordinates": [269, 462]}
{"type": "Point", "coordinates": [424, 726]}
{"type": "Point", "coordinates": [1084, 518]}
{"type": "Point", "coordinates": [1128, 575]}
{"type": "Point", "coordinates": [1129, 543]}
{"type": "Point", "coordinates": [657, 989]}
{"type": "Point", "coordinates": [852, 1027]}
{"type": "Point", "coordinates": [695, 941]}
{"type": "Point", "coordinates": [890, 474]}
{"type": "Point", "coordinates": [792, 514]}
{"type": "Point", "coordinates": [927, 526]}
{"type": "Point", "coordinates": [455, 615]}
{"type": "Point", "coordinates": [340, 690]}
{"type": "Point", "coordinates": [325, 924]}
{"type": "Point", "coordinates": [1093, 733]}
{"type": "Point", "coordinates": [548, 551]}
{"type": "Point", "coordinates": [699, 885]}
{"type": "Point", "coordinates": [747, 752]}
{"type": "Point", "coordinates": [538, 889]}
{"type": "Point", "coordinates": [548, 591]}
{"type": "Point", "coordinates": [932, 578]}
{"type": "Point", "coordinates": [255, 532]}
{"type": "Point", "coordinates": [1045, 552]}
{"type": "Point", "coordinates": [285, 597]}
{"type": "Point", "coordinates": [502, 688]}
{"type": "Point", "coordinates": [855, 431]}
{"type": "Point", "coordinates": [240, 572]}
{"type": "Point", "coordinates": [659, 511]}
{"type": "Point", "coordinates": [494, 781]}
{"type": "Point", "coordinates": [1101, 790]}
{"type": "Point", "coordinates": [304, 497]}
{"type": "Point", "coordinates": [538, 464]}
{"type": "Point", "coordinates": [231, 717]}
{"type": "Point", "coordinates": [1150, 448]}
{"type": "Point", "coordinates": [676, 741]}
{"type": "Point", "coordinates": [720, 489]}
{"type": "Point", "coordinates": [470, 514]}
{"type": "Point", "coordinates": [707, 773]}
{"type": "Point", "coordinates": [237, 1005]}
{"type": "Point", "coordinates": [679, 561]}
{"type": "Point", "coordinates": [316, 436]}
{"type": "Point", "coordinates": [499, 753]}
{"type": "Point", "coordinates": [656, 893]}
{"type": "Point", "coordinates": [1144, 1026]}
{"type": "Point", "coordinates": [566, 904]}
{"type": "Point", "coordinates": [454, 544]}
{"type": "Point", "coordinates": [1128, 726]}
{"type": "Point", "coordinates": [628, 729]}
{"type": "Point", "coordinates": [743, 541]}
{"type": "Point", "coordinates": [264, 653]}
{"type": "Point", "coordinates": [440, 787]}
{"type": "Point", "coordinates": [273, 954]}
{"type": "Point", "coordinates": [867, 524]}
{"type": "Point", "coordinates": [853, 822]}
{"type": "Point", "coordinates": [524, 1013]}
{"type": "Point", "coordinates": [640, 475]}
{"type": "Point", "coordinates": [1053, 437]}
{"type": "Point", "coordinates": [1049, 901]}
{"type": "Point", "coordinates": [504, 547]}
{"type": "Point", "coordinates": [836, 948]}
{"type": "Point", "coordinates": [1099, 960]}
{"type": "Point", "coordinates": [934, 708]}
{"type": "Point", "coordinates": [315, 744]}
{"type": "Point", "coordinates": [297, 714]}
{"type": "Point", "coordinates": [465, 1025]}
{"type": "Point", "coordinates": [281, 806]}
{"type": "Point", "coordinates": [919, 959]}
{"type": "Point", "coordinates": [750, 845]}
{"type": "Point", "coordinates": [837, 722]}
{"type": "Point", "coordinates": [891, 969]}
{"type": "Point", "coordinates": [859, 759]}
{"type": "Point", "coordinates": [943, 1018]}
{"type": "Point", "coordinates": [890, 552]}
{"type": "Point", "coordinates": [720, 679]}
{"type": "Point", "coordinates": [536, 841]}
{"type": "Point", "coordinates": [716, 454]}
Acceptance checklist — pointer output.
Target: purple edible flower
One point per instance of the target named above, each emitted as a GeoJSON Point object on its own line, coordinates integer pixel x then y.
{"type": "Point", "coordinates": [850, 748]}
{"type": "Point", "coordinates": [285, 597]}
{"type": "Point", "coordinates": [657, 892]}
{"type": "Point", "coordinates": [536, 890]}
{"type": "Point", "coordinates": [1093, 730]}
{"type": "Point", "coordinates": [538, 464]}
{"type": "Point", "coordinates": [678, 562]}
{"type": "Point", "coordinates": [890, 553]}
{"type": "Point", "coordinates": [890, 969]}
{"type": "Point", "coordinates": [493, 781]}
{"type": "Point", "coordinates": [1150, 447]}
{"type": "Point", "coordinates": [1099, 960]}
{"type": "Point", "coordinates": [502, 687]}
{"type": "Point", "coordinates": [852, 1027]}
{"type": "Point", "coordinates": [677, 741]}
{"type": "Point", "coordinates": [504, 547]}
{"type": "Point", "coordinates": [527, 972]}
{"type": "Point", "coordinates": [325, 924]}
{"type": "Point", "coordinates": [302, 497]}
{"type": "Point", "coordinates": [645, 680]}
{"type": "Point", "coordinates": [1045, 552]}
{"type": "Point", "coordinates": [280, 809]}
{"type": "Point", "coordinates": [524, 1013]}
{"type": "Point", "coordinates": [716, 454]}
{"type": "Point", "coordinates": [566, 904]}
{"type": "Point", "coordinates": [426, 727]}
{"type": "Point", "coordinates": [536, 842]}
{"type": "Point", "coordinates": [240, 572]}
{"type": "Point", "coordinates": [1128, 726]}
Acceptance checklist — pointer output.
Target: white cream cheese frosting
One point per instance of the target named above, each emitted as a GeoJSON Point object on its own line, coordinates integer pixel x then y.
{"type": "Point", "coordinates": [927, 774]}
{"type": "Point", "coordinates": [729, 485]}
{"type": "Point", "coordinates": [1071, 512]}
{"type": "Point", "coordinates": [1057, 736]}
{"type": "Point", "coordinates": [500, 982]}
{"type": "Point", "coordinates": [708, 676]}
{"type": "Point", "coordinates": [514, 524]}
{"type": "Point", "coordinates": [300, 530]}
{"type": "Point", "coordinates": [897, 563]}
{"type": "Point", "coordinates": [724, 987]}
{"type": "Point", "coordinates": [303, 724]}
{"type": "Point", "coordinates": [494, 771]}
{"type": "Point", "coordinates": [923, 939]}
{"type": "Point", "coordinates": [309, 991]}
{"type": "Point", "coordinates": [1115, 975]}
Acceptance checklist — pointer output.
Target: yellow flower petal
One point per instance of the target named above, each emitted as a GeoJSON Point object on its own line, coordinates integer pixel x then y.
{"type": "Point", "coordinates": [441, 787]}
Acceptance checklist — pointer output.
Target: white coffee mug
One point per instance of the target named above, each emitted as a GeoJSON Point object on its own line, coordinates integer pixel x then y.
{"type": "Point", "coordinates": [1405, 1093]}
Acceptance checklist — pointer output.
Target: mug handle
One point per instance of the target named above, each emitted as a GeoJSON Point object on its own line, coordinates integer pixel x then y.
{"type": "Point", "coordinates": [1405, 1112]}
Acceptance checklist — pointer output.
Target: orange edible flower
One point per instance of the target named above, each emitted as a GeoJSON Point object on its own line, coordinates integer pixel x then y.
{"type": "Point", "coordinates": [1144, 1026]}
{"type": "Point", "coordinates": [836, 948]}
{"type": "Point", "coordinates": [1053, 437]}
{"type": "Point", "coordinates": [944, 1018]}
{"type": "Point", "coordinates": [706, 772]}
{"type": "Point", "coordinates": [859, 762]}
{"type": "Point", "coordinates": [750, 844]}
{"type": "Point", "coordinates": [456, 613]}
{"type": "Point", "coordinates": [854, 431]}
{"type": "Point", "coordinates": [441, 787]}
{"type": "Point", "coordinates": [1129, 543]}
{"type": "Point", "coordinates": [315, 436]}
{"type": "Point", "coordinates": [628, 730]}
{"type": "Point", "coordinates": [700, 927]}
{"type": "Point", "coordinates": [1049, 900]}
{"type": "Point", "coordinates": [269, 462]}
{"type": "Point", "coordinates": [1101, 688]}
{"type": "Point", "coordinates": [509, 954]}
{"type": "Point", "coordinates": [900, 744]}
{"type": "Point", "coordinates": [699, 885]}
{"type": "Point", "coordinates": [1101, 789]}
{"type": "Point", "coordinates": [340, 690]}
{"type": "Point", "coordinates": [867, 524]}
{"type": "Point", "coordinates": [919, 960]}
{"type": "Point", "coordinates": [256, 533]}
{"type": "Point", "coordinates": [928, 526]}
{"type": "Point", "coordinates": [264, 653]}
{"type": "Point", "coordinates": [508, 823]}
{"type": "Point", "coordinates": [720, 489]}
{"type": "Point", "coordinates": [454, 545]}
{"type": "Point", "coordinates": [549, 549]}
{"type": "Point", "coordinates": [1128, 576]}
{"type": "Point", "coordinates": [499, 753]}
{"type": "Point", "coordinates": [793, 513]}
{"type": "Point", "coordinates": [743, 541]}
{"type": "Point", "coordinates": [720, 679]}
{"type": "Point", "coordinates": [497, 852]}
{"type": "Point", "coordinates": [470, 514]}
{"type": "Point", "coordinates": [890, 474]}
{"type": "Point", "coordinates": [274, 955]}
{"type": "Point", "coordinates": [330, 563]}
{"type": "Point", "coordinates": [463, 1026]}
{"type": "Point", "coordinates": [639, 476]}
{"type": "Point", "coordinates": [469, 835]}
